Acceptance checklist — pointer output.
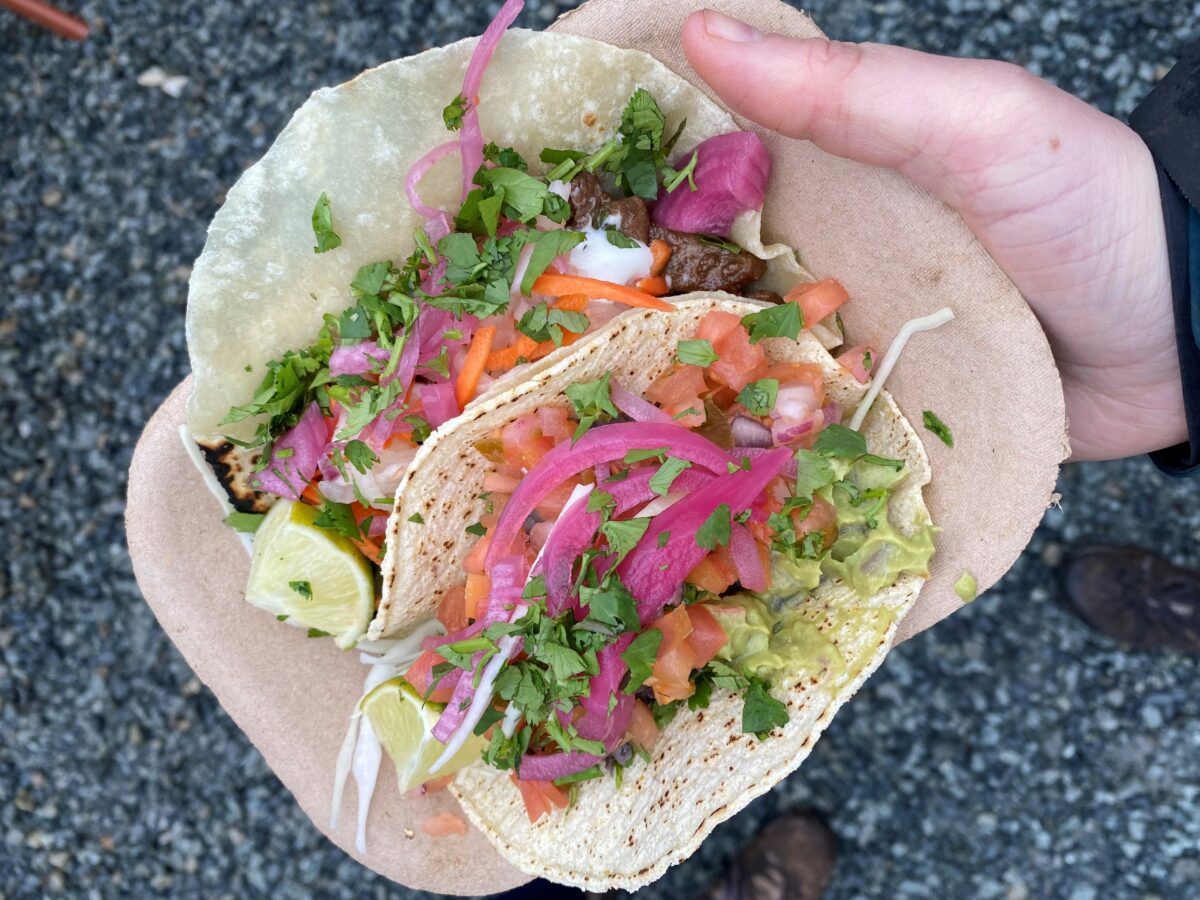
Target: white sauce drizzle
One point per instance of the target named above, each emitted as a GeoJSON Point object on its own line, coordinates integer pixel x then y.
{"type": "Point", "coordinates": [597, 257]}
{"type": "Point", "coordinates": [911, 327]}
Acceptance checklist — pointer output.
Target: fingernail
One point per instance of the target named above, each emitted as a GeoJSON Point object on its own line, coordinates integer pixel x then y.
{"type": "Point", "coordinates": [726, 28]}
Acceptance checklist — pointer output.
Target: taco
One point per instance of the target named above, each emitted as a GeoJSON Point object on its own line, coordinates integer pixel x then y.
{"type": "Point", "coordinates": [400, 256]}
{"type": "Point", "coordinates": [663, 564]}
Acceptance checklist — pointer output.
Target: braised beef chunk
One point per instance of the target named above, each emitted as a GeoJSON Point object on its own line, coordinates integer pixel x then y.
{"type": "Point", "coordinates": [587, 194]}
{"type": "Point", "coordinates": [698, 266]}
{"type": "Point", "coordinates": [765, 296]}
{"type": "Point", "coordinates": [634, 216]}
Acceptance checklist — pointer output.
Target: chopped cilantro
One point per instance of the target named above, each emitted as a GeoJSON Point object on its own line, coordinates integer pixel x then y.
{"type": "Point", "coordinates": [620, 239]}
{"type": "Point", "coordinates": [417, 518]}
{"type": "Point", "coordinates": [687, 173]}
{"type": "Point", "coordinates": [322, 224]}
{"type": "Point", "coordinates": [453, 114]}
{"type": "Point", "coordinates": [478, 529]}
{"type": "Point", "coordinates": [696, 353]}
{"type": "Point", "coordinates": [839, 441]}
{"type": "Point", "coordinates": [640, 656]}
{"type": "Point", "coordinates": [592, 401]}
{"type": "Point", "coordinates": [761, 713]}
{"type": "Point", "coordinates": [420, 428]}
{"type": "Point", "coordinates": [645, 453]}
{"type": "Point", "coordinates": [303, 588]}
{"type": "Point", "coordinates": [758, 397]}
{"type": "Point", "coordinates": [623, 535]}
{"type": "Point", "coordinates": [782, 320]}
{"type": "Point", "coordinates": [361, 456]}
{"type": "Point", "coordinates": [339, 518]}
{"type": "Point", "coordinates": [938, 427]}
{"type": "Point", "coordinates": [542, 323]}
{"type": "Point", "coordinates": [546, 246]}
{"type": "Point", "coordinates": [318, 633]}
{"type": "Point", "coordinates": [598, 500]}
{"type": "Point", "coordinates": [715, 529]}
{"type": "Point", "coordinates": [672, 468]}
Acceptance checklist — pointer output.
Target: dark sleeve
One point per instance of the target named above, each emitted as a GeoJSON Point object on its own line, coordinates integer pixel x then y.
{"type": "Point", "coordinates": [1169, 122]}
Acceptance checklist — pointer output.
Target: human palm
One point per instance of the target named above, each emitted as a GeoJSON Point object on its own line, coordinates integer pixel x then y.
{"type": "Point", "coordinates": [1064, 197]}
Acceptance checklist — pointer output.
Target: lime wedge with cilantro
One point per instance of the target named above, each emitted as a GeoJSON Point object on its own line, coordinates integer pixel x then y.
{"type": "Point", "coordinates": [403, 725]}
{"type": "Point", "coordinates": [312, 576]}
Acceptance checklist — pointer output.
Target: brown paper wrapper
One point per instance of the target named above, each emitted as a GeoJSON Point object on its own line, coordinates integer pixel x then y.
{"type": "Point", "coordinates": [900, 252]}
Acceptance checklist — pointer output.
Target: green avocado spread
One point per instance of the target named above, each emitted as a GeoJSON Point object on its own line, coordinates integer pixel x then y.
{"type": "Point", "coordinates": [769, 633]}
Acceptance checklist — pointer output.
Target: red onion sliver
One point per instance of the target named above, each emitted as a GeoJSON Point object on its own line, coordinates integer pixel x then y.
{"type": "Point", "coordinates": [418, 171]}
{"type": "Point", "coordinates": [748, 432]}
{"type": "Point", "coordinates": [359, 359]}
{"type": "Point", "coordinates": [635, 407]}
{"type": "Point", "coordinates": [439, 402]}
{"type": "Point", "coordinates": [555, 765]}
{"type": "Point", "coordinates": [731, 177]}
{"type": "Point", "coordinates": [471, 136]}
{"type": "Point", "coordinates": [288, 475]}
{"type": "Point", "coordinates": [743, 549]}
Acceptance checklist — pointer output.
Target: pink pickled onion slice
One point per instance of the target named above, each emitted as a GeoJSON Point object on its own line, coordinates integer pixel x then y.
{"type": "Point", "coordinates": [571, 535]}
{"type": "Point", "coordinates": [418, 171]}
{"type": "Point", "coordinates": [654, 574]}
{"type": "Point", "coordinates": [635, 407]}
{"type": "Point", "coordinates": [731, 177]}
{"type": "Point", "coordinates": [508, 578]}
{"type": "Point", "coordinates": [748, 432]}
{"type": "Point", "coordinates": [433, 641]}
{"type": "Point", "coordinates": [360, 359]}
{"type": "Point", "coordinates": [743, 549]}
{"type": "Point", "coordinates": [604, 444]}
{"type": "Point", "coordinates": [287, 475]}
{"type": "Point", "coordinates": [439, 402]}
{"type": "Point", "coordinates": [555, 765]}
{"type": "Point", "coordinates": [596, 724]}
{"type": "Point", "coordinates": [471, 136]}
{"type": "Point", "coordinates": [831, 412]}
{"type": "Point", "coordinates": [379, 429]}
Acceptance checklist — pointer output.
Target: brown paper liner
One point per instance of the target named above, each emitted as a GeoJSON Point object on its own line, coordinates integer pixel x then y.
{"type": "Point", "coordinates": [900, 252]}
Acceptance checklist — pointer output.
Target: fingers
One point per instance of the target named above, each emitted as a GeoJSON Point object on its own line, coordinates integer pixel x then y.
{"type": "Point", "coordinates": [937, 119]}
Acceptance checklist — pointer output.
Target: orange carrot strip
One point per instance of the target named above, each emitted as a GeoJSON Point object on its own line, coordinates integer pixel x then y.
{"type": "Point", "coordinates": [571, 303]}
{"type": "Point", "coordinates": [654, 285]}
{"type": "Point", "coordinates": [660, 252]}
{"type": "Point", "coordinates": [594, 288]}
{"type": "Point", "coordinates": [507, 358]}
{"type": "Point", "coordinates": [370, 550]}
{"type": "Point", "coordinates": [477, 355]}
{"type": "Point", "coordinates": [310, 495]}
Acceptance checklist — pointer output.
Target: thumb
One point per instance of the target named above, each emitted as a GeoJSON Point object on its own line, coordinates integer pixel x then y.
{"type": "Point", "coordinates": [945, 123]}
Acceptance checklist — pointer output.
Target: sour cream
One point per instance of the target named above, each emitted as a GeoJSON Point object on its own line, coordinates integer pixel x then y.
{"type": "Point", "coordinates": [597, 257]}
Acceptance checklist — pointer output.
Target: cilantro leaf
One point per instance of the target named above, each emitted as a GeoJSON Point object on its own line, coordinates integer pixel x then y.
{"type": "Point", "coordinates": [640, 656]}
{"type": "Point", "coordinates": [612, 605]}
{"type": "Point", "coordinates": [247, 523]}
{"type": "Point", "coordinates": [477, 528]}
{"type": "Point", "coordinates": [599, 500]}
{"type": "Point", "coordinates": [813, 471]}
{"type": "Point", "coordinates": [453, 114]}
{"type": "Point", "coordinates": [490, 717]}
{"type": "Point", "coordinates": [421, 429]}
{"type": "Point", "coordinates": [541, 323]}
{"type": "Point", "coordinates": [417, 518]}
{"type": "Point", "coordinates": [535, 588]}
{"type": "Point", "coordinates": [839, 441]}
{"type": "Point", "coordinates": [546, 246]}
{"type": "Point", "coordinates": [504, 156]}
{"type": "Point", "coordinates": [318, 633]}
{"type": "Point", "coordinates": [715, 529]}
{"type": "Point", "coordinates": [369, 279]}
{"type": "Point", "coordinates": [361, 456]}
{"type": "Point", "coordinates": [782, 320]}
{"type": "Point", "coordinates": [696, 353]}
{"type": "Point", "coordinates": [759, 396]}
{"type": "Point", "coordinates": [322, 224]}
{"type": "Point", "coordinates": [644, 453]}
{"type": "Point", "coordinates": [620, 239]}
{"type": "Point", "coordinates": [938, 427]}
{"type": "Point", "coordinates": [337, 517]}
{"type": "Point", "coordinates": [592, 401]}
{"type": "Point", "coordinates": [672, 468]}
{"type": "Point", "coordinates": [563, 661]}
{"type": "Point", "coordinates": [761, 713]}
{"type": "Point", "coordinates": [623, 535]}
{"type": "Point", "coordinates": [303, 588]}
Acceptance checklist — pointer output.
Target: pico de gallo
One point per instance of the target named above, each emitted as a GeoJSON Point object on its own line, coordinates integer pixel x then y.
{"type": "Point", "coordinates": [641, 551]}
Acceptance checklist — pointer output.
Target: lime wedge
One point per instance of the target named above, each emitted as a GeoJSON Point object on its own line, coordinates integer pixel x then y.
{"type": "Point", "coordinates": [313, 576]}
{"type": "Point", "coordinates": [403, 725]}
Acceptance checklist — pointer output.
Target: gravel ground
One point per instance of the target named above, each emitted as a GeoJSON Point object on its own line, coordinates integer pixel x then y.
{"type": "Point", "coordinates": [1009, 752]}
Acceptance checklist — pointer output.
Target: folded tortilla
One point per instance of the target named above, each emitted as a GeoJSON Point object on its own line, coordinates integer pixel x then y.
{"type": "Point", "coordinates": [258, 289]}
{"type": "Point", "coordinates": [703, 769]}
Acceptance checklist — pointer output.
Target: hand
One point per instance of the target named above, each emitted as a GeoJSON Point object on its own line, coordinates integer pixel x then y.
{"type": "Point", "coordinates": [1064, 197]}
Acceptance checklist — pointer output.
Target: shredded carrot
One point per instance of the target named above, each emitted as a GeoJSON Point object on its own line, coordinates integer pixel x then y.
{"type": "Point", "coordinates": [571, 303]}
{"type": "Point", "coordinates": [660, 252]}
{"type": "Point", "coordinates": [370, 550]}
{"type": "Point", "coordinates": [505, 359]}
{"type": "Point", "coordinates": [477, 355]}
{"type": "Point", "coordinates": [654, 285]}
{"type": "Point", "coordinates": [310, 495]}
{"type": "Point", "coordinates": [596, 289]}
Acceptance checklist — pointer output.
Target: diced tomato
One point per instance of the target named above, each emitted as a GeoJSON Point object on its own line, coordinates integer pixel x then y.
{"type": "Point", "coordinates": [740, 362]}
{"type": "Point", "coordinates": [555, 423]}
{"type": "Point", "coordinates": [443, 824]}
{"type": "Point", "coordinates": [715, 573]}
{"type": "Point", "coordinates": [311, 495]}
{"type": "Point", "coordinates": [817, 300]}
{"type": "Point", "coordinates": [419, 675]}
{"type": "Point", "coordinates": [524, 443]}
{"type": "Point", "coordinates": [539, 533]}
{"type": "Point", "coordinates": [707, 635]}
{"type": "Point", "coordinates": [679, 384]}
{"type": "Point", "coordinates": [452, 611]}
{"type": "Point", "coordinates": [433, 785]}
{"type": "Point", "coordinates": [541, 797]}
{"type": "Point", "coordinates": [551, 506]}
{"type": "Point", "coordinates": [715, 325]}
{"type": "Point", "coordinates": [473, 564]}
{"type": "Point", "coordinates": [822, 517]}
{"type": "Point", "coordinates": [641, 727]}
{"type": "Point", "coordinates": [501, 481]}
{"type": "Point", "coordinates": [858, 361]}
{"type": "Point", "coordinates": [671, 676]}
{"type": "Point", "coordinates": [796, 374]}
{"type": "Point", "coordinates": [475, 595]}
